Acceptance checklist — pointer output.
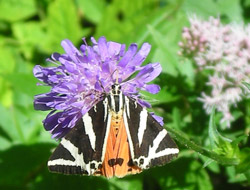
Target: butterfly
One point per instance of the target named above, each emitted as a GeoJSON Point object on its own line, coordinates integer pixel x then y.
{"type": "Point", "coordinates": [116, 137]}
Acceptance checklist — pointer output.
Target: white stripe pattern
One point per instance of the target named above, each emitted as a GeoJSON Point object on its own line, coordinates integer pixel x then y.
{"type": "Point", "coordinates": [152, 154]}
{"type": "Point", "coordinates": [112, 98]}
{"type": "Point", "coordinates": [120, 101]}
{"type": "Point", "coordinates": [130, 142]}
{"type": "Point", "coordinates": [106, 136]}
{"type": "Point", "coordinates": [152, 150]}
{"type": "Point", "coordinates": [105, 103]}
{"type": "Point", "coordinates": [87, 120]}
{"type": "Point", "coordinates": [142, 125]}
{"type": "Point", "coordinates": [127, 106]}
{"type": "Point", "coordinates": [79, 159]}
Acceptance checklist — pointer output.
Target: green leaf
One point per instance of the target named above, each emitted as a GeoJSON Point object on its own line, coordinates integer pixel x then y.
{"type": "Point", "coordinates": [167, 60]}
{"type": "Point", "coordinates": [125, 23]}
{"type": "Point", "coordinates": [166, 56]}
{"type": "Point", "coordinates": [233, 176]}
{"type": "Point", "coordinates": [7, 59]}
{"type": "Point", "coordinates": [154, 20]}
{"type": "Point", "coordinates": [9, 126]}
{"type": "Point", "coordinates": [63, 23]}
{"type": "Point", "coordinates": [186, 68]}
{"type": "Point", "coordinates": [247, 3]}
{"type": "Point", "coordinates": [177, 119]}
{"type": "Point", "coordinates": [46, 180]}
{"type": "Point", "coordinates": [25, 83]}
{"type": "Point", "coordinates": [231, 8]}
{"type": "Point", "coordinates": [29, 32]}
{"type": "Point", "coordinates": [5, 93]}
{"type": "Point", "coordinates": [21, 122]}
{"type": "Point", "coordinates": [205, 8]}
{"type": "Point", "coordinates": [166, 36]}
{"type": "Point", "coordinates": [212, 165]}
{"type": "Point", "coordinates": [31, 36]}
{"type": "Point", "coordinates": [126, 183]}
{"type": "Point", "coordinates": [192, 176]}
{"type": "Point", "coordinates": [3, 27]}
{"type": "Point", "coordinates": [244, 165]}
{"type": "Point", "coordinates": [162, 97]}
{"type": "Point", "coordinates": [15, 10]}
{"type": "Point", "coordinates": [247, 85]}
{"type": "Point", "coordinates": [5, 143]}
{"type": "Point", "coordinates": [219, 143]}
{"type": "Point", "coordinates": [28, 121]}
{"type": "Point", "coordinates": [20, 163]}
{"type": "Point", "coordinates": [247, 175]}
{"type": "Point", "coordinates": [92, 10]}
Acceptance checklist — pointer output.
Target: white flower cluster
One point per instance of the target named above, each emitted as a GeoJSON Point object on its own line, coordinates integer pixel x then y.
{"type": "Point", "coordinates": [224, 49]}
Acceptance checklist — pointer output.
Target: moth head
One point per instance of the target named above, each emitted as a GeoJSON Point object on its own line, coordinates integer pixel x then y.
{"type": "Point", "coordinates": [116, 89]}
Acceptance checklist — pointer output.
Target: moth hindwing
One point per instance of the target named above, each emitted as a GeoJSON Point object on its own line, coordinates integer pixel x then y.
{"type": "Point", "coordinates": [115, 138]}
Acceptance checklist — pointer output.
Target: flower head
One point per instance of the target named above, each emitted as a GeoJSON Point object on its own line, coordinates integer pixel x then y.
{"type": "Point", "coordinates": [81, 78]}
{"type": "Point", "coordinates": [225, 51]}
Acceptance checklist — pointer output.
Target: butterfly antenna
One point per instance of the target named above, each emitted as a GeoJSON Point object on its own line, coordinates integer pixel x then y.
{"type": "Point", "coordinates": [101, 85]}
{"type": "Point", "coordinates": [116, 76]}
{"type": "Point", "coordinates": [116, 80]}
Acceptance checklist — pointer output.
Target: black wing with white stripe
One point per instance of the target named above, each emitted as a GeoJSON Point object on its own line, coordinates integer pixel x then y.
{"type": "Point", "coordinates": [79, 152]}
{"type": "Point", "coordinates": [84, 149]}
{"type": "Point", "coordinates": [150, 144]}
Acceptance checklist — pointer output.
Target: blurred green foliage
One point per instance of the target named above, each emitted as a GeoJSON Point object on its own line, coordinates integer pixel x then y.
{"type": "Point", "coordinates": [30, 30]}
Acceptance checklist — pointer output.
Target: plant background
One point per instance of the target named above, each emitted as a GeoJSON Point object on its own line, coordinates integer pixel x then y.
{"type": "Point", "coordinates": [31, 30]}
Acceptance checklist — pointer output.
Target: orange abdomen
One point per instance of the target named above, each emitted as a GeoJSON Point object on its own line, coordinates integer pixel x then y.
{"type": "Point", "coordinates": [117, 161]}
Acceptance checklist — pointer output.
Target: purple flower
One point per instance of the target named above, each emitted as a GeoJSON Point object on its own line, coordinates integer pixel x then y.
{"type": "Point", "coordinates": [84, 75]}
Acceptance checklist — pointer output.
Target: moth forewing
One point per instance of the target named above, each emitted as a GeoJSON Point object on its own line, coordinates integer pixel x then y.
{"type": "Point", "coordinates": [150, 143]}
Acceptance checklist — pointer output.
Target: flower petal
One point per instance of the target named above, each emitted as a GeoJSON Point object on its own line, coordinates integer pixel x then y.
{"type": "Point", "coordinates": [44, 74]}
{"type": "Point", "coordinates": [128, 56]}
{"type": "Point", "coordinates": [70, 49]}
{"type": "Point", "coordinates": [149, 72]}
{"type": "Point", "coordinates": [63, 124]}
{"type": "Point", "coordinates": [152, 88]}
{"type": "Point", "coordinates": [158, 118]}
{"type": "Point", "coordinates": [103, 49]}
{"type": "Point", "coordinates": [114, 48]}
{"type": "Point", "coordinates": [141, 55]}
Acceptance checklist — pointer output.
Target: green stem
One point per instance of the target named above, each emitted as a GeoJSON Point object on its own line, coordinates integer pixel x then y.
{"type": "Point", "coordinates": [180, 137]}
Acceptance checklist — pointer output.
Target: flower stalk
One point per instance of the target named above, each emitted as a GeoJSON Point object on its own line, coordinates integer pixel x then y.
{"type": "Point", "coordinates": [184, 140]}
